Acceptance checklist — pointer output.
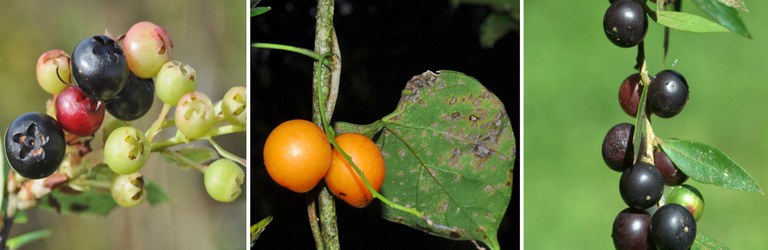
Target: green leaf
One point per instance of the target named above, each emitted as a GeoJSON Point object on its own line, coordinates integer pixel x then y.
{"type": "Point", "coordinates": [259, 10]}
{"type": "Point", "coordinates": [258, 228]}
{"type": "Point", "coordinates": [726, 16]}
{"type": "Point", "coordinates": [687, 22]}
{"type": "Point", "coordinates": [736, 4]}
{"type": "Point", "coordinates": [707, 164]}
{"type": "Point", "coordinates": [703, 242]}
{"type": "Point", "coordinates": [368, 130]}
{"type": "Point", "coordinates": [494, 27]}
{"type": "Point", "coordinates": [155, 194]}
{"type": "Point", "coordinates": [21, 240]}
{"type": "Point", "coordinates": [64, 200]}
{"type": "Point", "coordinates": [449, 150]}
{"type": "Point", "coordinates": [186, 156]}
{"type": "Point", "coordinates": [498, 5]}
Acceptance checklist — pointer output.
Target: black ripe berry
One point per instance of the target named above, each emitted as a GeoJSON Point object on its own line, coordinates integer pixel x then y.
{"type": "Point", "coordinates": [134, 101]}
{"type": "Point", "coordinates": [641, 186]}
{"type": "Point", "coordinates": [617, 147]}
{"type": "Point", "coordinates": [667, 94]}
{"type": "Point", "coordinates": [34, 145]}
{"type": "Point", "coordinates": [629, 94]}
{"type": "Point", "coordinates": [625, 23]}
{"type": "Point", "coordinates": [99, 67]}
{"type": "Point", "coordinates": [673, 227]}
{"type": "Point", "coordinates": [672, 175]}
{"type": "Point", "coordinates": [631, 229]}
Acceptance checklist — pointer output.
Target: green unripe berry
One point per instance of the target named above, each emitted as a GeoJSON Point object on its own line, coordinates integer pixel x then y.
{"type": "Point", "coordinates": [223, 179]}
{"type": "Point", "coordinates": [194, 115]}
{"type": "Point", "coordinates": [174, 80]}
{"type": "Point", "coordinates": [128, 190]}
{"type": "Point", "coordinates": [126, 150]}
{"type": "Point", "coordinates": [233, 105]}
{"type": "Point", "coordinates": [688, 197]}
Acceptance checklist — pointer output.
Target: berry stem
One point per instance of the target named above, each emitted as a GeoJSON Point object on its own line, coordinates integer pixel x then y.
{"type": "Point", "coordinates": [180, 139]}
{"type": "Point", "coordinates": [185, 160]}
{"type": "Point", "coordinates": [156, 126]}
{"type": "Point", "coordinates": [226, 154]}
{"type": "Point", "coordinates": [644, 138]}
{"type": "Point", "coordinates": [303, 51]}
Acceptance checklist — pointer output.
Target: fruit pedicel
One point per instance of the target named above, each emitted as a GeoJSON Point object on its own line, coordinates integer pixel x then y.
{"type": "Point", "coordinates": [103, 76]}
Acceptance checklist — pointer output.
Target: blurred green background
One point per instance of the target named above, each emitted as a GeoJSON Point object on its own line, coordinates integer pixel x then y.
{"type": "Point", "coordinates": [572, 75]}
{"type": "Point", "coordinates": [208, 35]}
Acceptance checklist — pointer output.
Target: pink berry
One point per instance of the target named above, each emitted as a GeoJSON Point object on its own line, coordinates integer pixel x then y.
{"type": "Point", "coordinates": [147, 47]}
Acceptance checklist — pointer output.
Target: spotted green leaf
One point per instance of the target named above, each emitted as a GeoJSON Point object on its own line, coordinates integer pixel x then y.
{"type": "Point", "coordinates": [707, 164]}
{"type": "Point", "coordinates": [703, 242]}
{"type": "Point", "coordinates": [687, 22]}
{"type": "Point", "coordinates": [68, 201]}
{"type": "Point", "coordinates": [449, 150]}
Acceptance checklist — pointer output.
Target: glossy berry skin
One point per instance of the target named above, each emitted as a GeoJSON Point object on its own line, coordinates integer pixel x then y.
{"type": "Point", "coordinates": [99, 67]}
{"type": "Point", "coordinates": [147, 47]}
{"type": "Point", "coordinates": [297, 155]}
{"type": "Point", "coordinates": [78, 113]}
{"type": "Point", "coordinates": [673, 227]}
{"type": "Point", "coordinates": [128, 190]}
{"type": "Point", "coordinates": [688, 197]}
{"type": "Point", "coordinates": [134, 101]}
{"type": "Point", "coordinates": [641, 186]}
{"type": "Point", "coordinates": [223, 179]}
{"type": "Point", "coordinates": [631, 229]}
{"type": "Point", "coordinates": [234, 106]}
{"type": "Point", "coordinates": [617, 147]}
{"type": "Point", "coordinates": [174, 80]}
{"type": "Point", "coordinates": [342, 179]}
{"type": "Point", "coordinates": [194, 115]}
{"type": "Point", "coordinates": [629, 94]}
{"type": "Point", "coordinates": [625, 23]}
{"type": "Point", "coordinates": [126, 150]}
{"type": "Point", "coordinates": [672, 175]}
{"type": "Point", "coordinates": [34, 145]}
{"type": "Point", "coordinates": [53, 71]}
{"type": "Point", "coordinates": [667, 94]}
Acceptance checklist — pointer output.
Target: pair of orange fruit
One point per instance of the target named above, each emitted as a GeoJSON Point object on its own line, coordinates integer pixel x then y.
{"type": "Point", "coordinates": [297, 155]}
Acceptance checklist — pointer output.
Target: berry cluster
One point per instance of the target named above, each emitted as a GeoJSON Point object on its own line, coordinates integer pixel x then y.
{"type": "Point", "coordinates": [297, 156]}
{"type": "Point", "coordinates": [122, 78]}
{"type": "Point", "coordinates": [653, 219]}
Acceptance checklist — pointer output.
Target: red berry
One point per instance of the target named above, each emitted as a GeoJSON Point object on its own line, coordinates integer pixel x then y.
{"type": "Point", "coordinates": [78, 113]}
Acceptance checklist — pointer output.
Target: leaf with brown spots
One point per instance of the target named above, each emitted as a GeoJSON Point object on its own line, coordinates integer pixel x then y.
{"type": "Point", "coordinates": [86, 202]}
{"type": "Point", "coordinates": [449, 150]}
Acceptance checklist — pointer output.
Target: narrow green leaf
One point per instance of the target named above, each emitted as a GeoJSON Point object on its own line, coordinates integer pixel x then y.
{"type": "Point", "coordinates": [368, 130]}
{"type": "Point", "coordinates": [258, 228]}
{"type": "Point", "coordinates": [726, 16]}
{"type": "Point", "coordinates": [259, 10]}
{"type": "Point", "coordinates": [687, 22]}
{"type": "Point", "coordinates": [449, 149]}
{"type": "Point", "coordinates": [494, 27]}
{"type": "Point", "coordinates": [703, 242]}
{"type": "Point", "coordinates": [736, 4]}
{"type": "Point", "coordinates": [21, 240]}
{"type": "Point", "coordinates": [155, 194]}
{"type": "Point", "coordinates": [707, 164]}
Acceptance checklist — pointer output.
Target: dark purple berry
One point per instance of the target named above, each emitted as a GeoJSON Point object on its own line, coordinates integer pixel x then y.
{"type": "Point", "coordinates": [667, 94]}
{"type": "Point", "coordinates": [673, 227]}
{"type": "Point", "coordinates": [34, 145]}
{"type": "Point", "coordinates": [99, 67]}
{"type": "Point", "coordinates": [641, 186]}
{"type": "Point", "coordinates": [629, 94]}
{"type": "Point", "coordinates": [672, 175]}
{"type": "Point", "coordinates": [631, 229]}
{"type": "Point", "coordinates": [134, 101]}
{"type": "Point", "coordinates": [617, 147]}
{"type": "Point", "coordinates": [625, 23]}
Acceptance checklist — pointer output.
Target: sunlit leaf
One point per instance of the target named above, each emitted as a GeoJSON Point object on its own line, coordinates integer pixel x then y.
{"type": "Point", "coordinates": [726, 16]}
{"type": "Point", "coordinates": [687, 22]}
{"type": "Point", "coordinates": [703, 242]}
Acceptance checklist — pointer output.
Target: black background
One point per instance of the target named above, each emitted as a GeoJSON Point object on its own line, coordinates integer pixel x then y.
{"type": "Point", "coordinates": [383, 44]}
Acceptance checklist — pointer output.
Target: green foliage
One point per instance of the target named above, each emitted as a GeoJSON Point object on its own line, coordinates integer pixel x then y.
{"type": "Point", "coordinates": [687, 22]}
{"type": "Point", "coordinates": [259, 10]}
{"type": "Point", "coordinates": [21, 240]}
{"type": "Point", "coordinates": [188, 156]}
{"type": "Point", "coordinates": [449, 149]}
{"type": "Point", "coordinates": [703, 242]}
{"type": "Point", "coordinates": [155, 194]}
{"type": "Point", "coordinates": [726, 16]}
{"type": "Point", "coordinates": [258, 228]}
{"type": "Point", "coordinates": [69, 201]}
{"type": "Point", "coordinates": [495, 26]}
{"type": "Point", "coordinates": [707, 164]}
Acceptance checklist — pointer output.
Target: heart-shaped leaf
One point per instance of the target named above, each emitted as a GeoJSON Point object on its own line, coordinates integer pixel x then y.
{"type": "Point", "coordinates": [449, 149]}
{"type": "Point", "coordinates": [707, 164]}
{"type": "Point", "coordinates": [726, 16]}
{"type": "Point", "coordinates": [687, 22]}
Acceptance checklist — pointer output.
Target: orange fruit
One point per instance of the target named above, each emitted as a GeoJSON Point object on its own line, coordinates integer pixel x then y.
{"type": "Point", "coordinates": [342, 179]}
{"type": "Point", "coordinates": [297, 155]}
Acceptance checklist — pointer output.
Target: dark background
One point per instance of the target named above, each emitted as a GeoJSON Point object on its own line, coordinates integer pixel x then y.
{"type": "Point", "coordinates": [383, 44]}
